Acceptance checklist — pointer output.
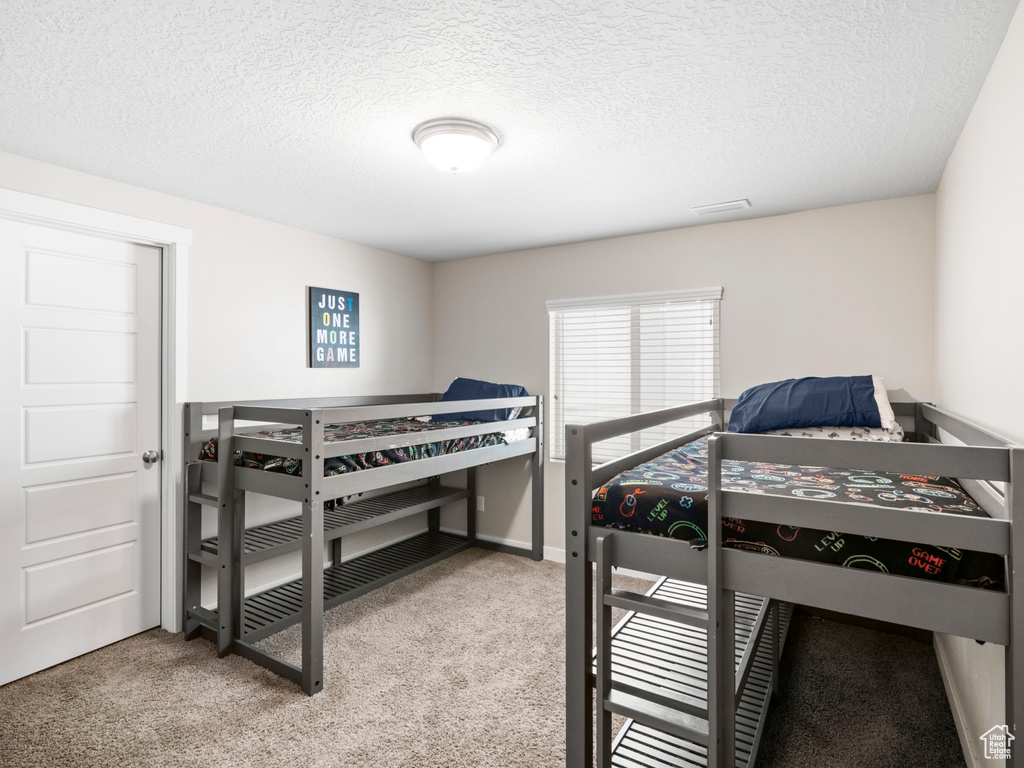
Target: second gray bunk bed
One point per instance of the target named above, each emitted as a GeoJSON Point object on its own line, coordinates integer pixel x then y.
{"type": "Point", "coordinates": [721, 614]}
{"type": "Point", "coordinates": [239, 621]}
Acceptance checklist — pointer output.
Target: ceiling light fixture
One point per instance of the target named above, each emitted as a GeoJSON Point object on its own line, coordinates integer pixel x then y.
{"type": "Point", "coordinates": [454, 145]}
{"type": "Point", "coordinates": [703, 210]}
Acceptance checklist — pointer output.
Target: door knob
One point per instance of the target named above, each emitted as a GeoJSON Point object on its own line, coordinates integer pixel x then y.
{"type": "Point", "coordinates": [149, 458]}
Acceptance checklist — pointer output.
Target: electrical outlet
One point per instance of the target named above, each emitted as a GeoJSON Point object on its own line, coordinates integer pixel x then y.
{"type": "Point", "coordinates": [479, 503]}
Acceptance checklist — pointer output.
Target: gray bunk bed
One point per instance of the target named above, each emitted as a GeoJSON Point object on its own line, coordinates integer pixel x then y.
{"type": "Point", "coordinates": [695, 662]}
{"type": "Point", "coordinates": [239, 620]}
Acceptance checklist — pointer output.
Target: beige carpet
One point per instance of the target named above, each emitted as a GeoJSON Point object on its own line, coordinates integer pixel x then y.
{"type": "Point", "coordinates": [460, 664]}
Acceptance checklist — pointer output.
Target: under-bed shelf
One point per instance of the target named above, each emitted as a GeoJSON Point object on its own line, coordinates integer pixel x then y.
{"type": "Point", "coordinates": [669, 660]}
{"type": "Point", "coordinates": [272, 539]}
{"type": "Point", "coordinates": [275, 609]}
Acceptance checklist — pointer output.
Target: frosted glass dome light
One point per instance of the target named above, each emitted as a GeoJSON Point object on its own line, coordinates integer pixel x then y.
{"type": "Point", "coordinates": [454, 145]}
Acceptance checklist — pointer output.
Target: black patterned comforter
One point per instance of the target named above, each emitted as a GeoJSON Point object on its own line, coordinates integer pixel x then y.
{"type": "Point", "coordinates": [334, 433]}
{"type": "Point", "coordinates": [668, 497]}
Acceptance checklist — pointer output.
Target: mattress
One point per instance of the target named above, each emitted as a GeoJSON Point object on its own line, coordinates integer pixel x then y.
{"type": "Point", "coordinates": [668, 497]}
{"type": "Point", "coordinates": [336, 433]}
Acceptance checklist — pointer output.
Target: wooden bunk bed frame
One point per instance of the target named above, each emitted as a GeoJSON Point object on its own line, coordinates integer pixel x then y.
{"type": "Point", "coordinates": [239, 620]}
{"type": "Point", "coordinates": [722, 725]}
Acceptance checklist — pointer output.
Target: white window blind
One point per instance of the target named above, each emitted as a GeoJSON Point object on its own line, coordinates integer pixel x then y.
{"type": "Point", "coordinates": [614, 356]}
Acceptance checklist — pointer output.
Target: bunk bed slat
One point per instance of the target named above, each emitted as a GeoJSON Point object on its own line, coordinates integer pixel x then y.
{"type": "Point", "coordinates": [937, 528]}
{"type": "Point", "coordinates": [665, 609]}
{"type": "Point", "coordinates": [980, 614]}
{"type": "Point", "coordinates": [603, 430]}
{"type": "Point", "coordinates": [610, 469]}
{"type": "Point", "coordinates": [271, 483]}
{"type": "Point", "coordinates": [272, 539]}
{"type": "Point", "coordinates": [386, 442]}
{"type": "Point", "coordinates": [375, 412]}
{"type": "Point", "coordinates": [961, 429]}
{"type": "Point", "coordinates": [666, 719]}
{"type": "Point", "coordinates": [658, 553]}
{"type": "Point", "coordinates": [980, 463]}
{"type": "Point", "coordinates": [369, 479]}
{"type": "Point", "coordinates": [269, 446]}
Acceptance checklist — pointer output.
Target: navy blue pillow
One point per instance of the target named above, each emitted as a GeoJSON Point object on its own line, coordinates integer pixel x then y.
{"type": "Point", "coordinates": [836, 401]}
{"type": "Point", "coordinates": [473, 389]}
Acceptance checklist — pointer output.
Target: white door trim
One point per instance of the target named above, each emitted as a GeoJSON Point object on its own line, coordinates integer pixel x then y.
{"type": "Point", "coordinates": [175, 243]}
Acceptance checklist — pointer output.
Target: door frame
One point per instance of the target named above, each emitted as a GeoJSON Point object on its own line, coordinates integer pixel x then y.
{"type": "Point", "coordinates": [174, 243]}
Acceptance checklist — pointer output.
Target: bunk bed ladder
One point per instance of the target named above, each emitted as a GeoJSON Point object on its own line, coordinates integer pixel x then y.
{"type": "Point", "coordinates": [194, 558]}
{"type": "Point", "coordinates": [682, 719]}
{"type": "Point", "coordinates": [193, 614]}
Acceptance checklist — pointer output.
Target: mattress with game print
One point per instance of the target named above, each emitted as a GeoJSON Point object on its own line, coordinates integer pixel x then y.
{"type": "Point", "coordinates": [668, 497]}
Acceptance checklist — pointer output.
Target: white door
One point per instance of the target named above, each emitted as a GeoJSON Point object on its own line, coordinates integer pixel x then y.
{"type": "Point", "coordinates": [79, 408]}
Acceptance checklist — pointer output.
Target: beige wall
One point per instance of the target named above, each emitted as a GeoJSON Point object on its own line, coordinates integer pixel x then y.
{"type": "Point", "coordinates": [979, 325]}
{"type": "Point", "coordinates": [844, 290]}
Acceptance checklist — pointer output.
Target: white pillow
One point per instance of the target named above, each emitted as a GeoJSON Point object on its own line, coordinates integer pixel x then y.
{"type": "Point", "coordinates": [884, 409]}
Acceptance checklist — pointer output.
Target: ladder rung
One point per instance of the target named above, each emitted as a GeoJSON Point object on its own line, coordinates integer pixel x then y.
{"type": "Point", "coordinates": [204, 498]}
{"type": "Point", "coordinates": [656, 716]}
{"type": "Point", "coordinates": [673, 700]}
{"type": "Point", "coordinates": [653, 606]}
{"type": "Point", "coordinates": [204, 557]}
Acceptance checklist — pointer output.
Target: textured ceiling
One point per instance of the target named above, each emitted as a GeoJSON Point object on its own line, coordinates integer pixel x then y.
{"type": "Point", "coordinates": [615, 117]}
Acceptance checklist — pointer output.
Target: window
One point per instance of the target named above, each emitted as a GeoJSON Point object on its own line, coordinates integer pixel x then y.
{"type": "Point", "coordinates": [614, 356]}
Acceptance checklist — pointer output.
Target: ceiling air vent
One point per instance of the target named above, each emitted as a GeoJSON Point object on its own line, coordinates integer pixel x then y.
{"type": "Point", "coordinates": [732, 205]}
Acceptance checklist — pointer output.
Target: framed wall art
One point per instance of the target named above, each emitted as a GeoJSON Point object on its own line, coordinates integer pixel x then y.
{"type": "Point", "coordinates": [333, 328]}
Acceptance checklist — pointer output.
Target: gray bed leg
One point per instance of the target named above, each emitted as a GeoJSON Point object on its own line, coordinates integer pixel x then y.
{"type": "Point", "coordinates": [579, 603]}
{"type": "Point", "coordinates": [471, 504]}
{"type": "Point", "coordinates": [228, 556]}
{"type": "Point", "coordinates": [238, 568]}
{"type": "Point", "coordinates": [537, 467]}
{"type": "Point", "coordinates": [1013, 656]}
{"type": "Point", "coordinates": [313, 556]}
{"type": "Point", "coordinates": [603, 682]}
{"type": "Point", "coordinates": [721, 630]}
{"type": "Point", "coordinates": [192, 519]}
{"type": "Point", "coordinates": [189, 537]}
{"type": "Point", "coordinates": [721, 678]}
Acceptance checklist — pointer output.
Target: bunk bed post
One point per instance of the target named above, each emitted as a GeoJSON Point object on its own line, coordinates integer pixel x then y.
{"type": "Point", "coordinates": [238, 561]}
{"type": "Point", "coordinates": [471, 504]}
{"type": "Point", "coordinates": [721, 629]}
{"type": "Point", "coordinates": [434, 513]}
{"type": "Point", "coordinates": [313, 554]}
{"type": "Point", "coordinates": [923, 429]}
{"type": "Point", "coordinates": [192, 519]}
{"type": "Point", "coordinates": [1014, 652]}
{"type": "Point", "coordinates": [603, 681]}
{"type": "Point", "coordinates": [718, 416]}
{"type": "Point", "coordinates": [229, 558]}
{"type": "Point", "coordinates": [579, 592]}
{"type": "Point", "coordinates": [537, 466]}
